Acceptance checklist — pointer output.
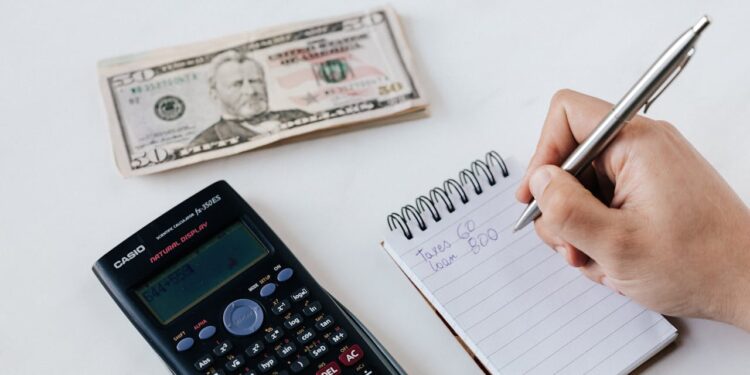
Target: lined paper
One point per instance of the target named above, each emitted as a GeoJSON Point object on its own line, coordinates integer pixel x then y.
{"type": "Point", "coordinates": [516, 303]}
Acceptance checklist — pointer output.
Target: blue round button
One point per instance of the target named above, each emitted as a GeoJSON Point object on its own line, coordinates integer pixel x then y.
{"type": "Point", "coordinates": [243, 317]}
{"type": "Point", "coordinates": [185, 344]}
{"type": "Point", "coordinates": [206, 332]}
{"type": "Point", "coordinates": [267, 289]}
{"type": "Point", "coordinates": [285, 274]}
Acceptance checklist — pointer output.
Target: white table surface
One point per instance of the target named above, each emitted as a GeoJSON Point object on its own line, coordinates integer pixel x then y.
{"type": "Point", "coordinates": [489, 70]}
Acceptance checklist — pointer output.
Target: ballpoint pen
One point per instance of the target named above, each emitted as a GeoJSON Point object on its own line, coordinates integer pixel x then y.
{"type": "Point", "coordinates": [661, 74]}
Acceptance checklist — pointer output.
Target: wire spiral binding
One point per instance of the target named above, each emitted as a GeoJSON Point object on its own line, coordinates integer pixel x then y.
{"type": "Point", "coordinates": [442, 195]}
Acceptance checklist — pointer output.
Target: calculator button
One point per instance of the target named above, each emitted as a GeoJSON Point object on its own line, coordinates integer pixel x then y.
{"type": "Point", "coordinates": [324, 323]}
{"type": "Point", "coordinates": [255, 349]}
{"type": "Point", "coordinates": [337, 336]}
{"type": "Point", "coordinates": [203, 362]}
{"type": "Point", "coordinates": [267, 364]}
{"type": "Point", "coordinates": [299, 364]}
{"type": "Point", "coordinates": [300, 294]}
{"type": "Point", "coordinates": [223, 348]}
{"type": "Point", "coordinates": [185, 344]}
{"type": "Point", "coordinates": [206, 332]}
{"type": "Point", "coordinates": [251, 372]}
{"type": "Point", "coordinates": [243, 317]}
{"type": "Point", "coordinates": [294, 321]}
{"type": "Point", "coordinates": [319, 350]}
{"type": "Point", "coordinates": [267, 289]}
{"type": "Point", "coordinates": [352, 355]}
{"type": "Point", "coordinates": [331, 368]}
{"type": "Point", "coordinates": [285, 350]}
{"type": "Point", "coordinates": [216, 372]}
{"type": "Point", "coordinates": [235, 363]}
{"type": "Point", "coordinates": [281, 307]}
{"type": "Point", "coordinates": [311, 309]}
{"type": "Point", "coordinates": [285, 275]}
{"type": "Point", "coordinates": [275, 335]}
{"type": "Point", "coordinates": [306, 336]}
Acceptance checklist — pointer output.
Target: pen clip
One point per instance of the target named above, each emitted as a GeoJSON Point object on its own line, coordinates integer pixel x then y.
{"type": "Point", "coordinates": [677, 72]}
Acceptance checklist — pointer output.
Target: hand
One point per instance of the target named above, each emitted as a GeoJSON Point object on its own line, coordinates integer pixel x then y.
{"type": "Point", "coordinates": [654, 221]}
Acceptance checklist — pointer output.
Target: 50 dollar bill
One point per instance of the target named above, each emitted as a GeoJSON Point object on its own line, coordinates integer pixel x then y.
{"type": "Point", "coordinates": [178, 106]}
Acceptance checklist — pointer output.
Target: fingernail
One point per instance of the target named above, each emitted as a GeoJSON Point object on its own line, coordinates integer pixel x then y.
{"type": "Point", "coordinates": [606, 282]}
{"type": "Point", "coordinates": [538, 182]}
{"type": "Point", "coordinates": [563, 251]}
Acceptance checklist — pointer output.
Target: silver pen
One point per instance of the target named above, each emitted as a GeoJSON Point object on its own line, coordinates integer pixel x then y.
{"type": "Point", "coordinates": [643, 93]}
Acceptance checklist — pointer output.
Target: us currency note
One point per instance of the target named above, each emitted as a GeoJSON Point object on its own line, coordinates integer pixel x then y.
{"type": "Point", "coordinates": [182, 105]}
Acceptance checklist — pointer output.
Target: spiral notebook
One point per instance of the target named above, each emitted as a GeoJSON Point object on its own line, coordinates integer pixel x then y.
{"type": "Point", "coordinates": [514, 303]}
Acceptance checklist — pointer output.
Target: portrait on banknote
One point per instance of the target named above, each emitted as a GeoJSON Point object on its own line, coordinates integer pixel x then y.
{"type": "Point", "coordinates": [237, 85]}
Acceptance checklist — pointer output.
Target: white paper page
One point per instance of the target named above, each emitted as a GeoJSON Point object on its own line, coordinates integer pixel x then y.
{"type": "Point", "coordinates": [515, 302]}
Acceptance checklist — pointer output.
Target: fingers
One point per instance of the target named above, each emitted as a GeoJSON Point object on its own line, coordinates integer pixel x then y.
{"type": "Point", "coordinates": [572, 215]}
{"type": "Point", "coordinates": [570, 119]}
{"type": "Point", "coordinates": [573, 256]}
{"type": "Point", "coordinates": [576, 258]}
{"type": "Point", "coordinates": [594, 272]}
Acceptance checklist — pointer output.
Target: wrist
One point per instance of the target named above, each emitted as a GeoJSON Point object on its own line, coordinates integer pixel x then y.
{"type": "Point", "coordinates": [740, 311]}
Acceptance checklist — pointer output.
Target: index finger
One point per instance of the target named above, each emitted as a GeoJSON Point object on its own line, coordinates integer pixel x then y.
{"type": "Point", "coordinates": [571, 117]}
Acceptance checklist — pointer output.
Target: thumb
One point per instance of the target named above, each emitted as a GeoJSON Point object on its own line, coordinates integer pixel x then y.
{"type": "Point", "coordinates": [571, 212]}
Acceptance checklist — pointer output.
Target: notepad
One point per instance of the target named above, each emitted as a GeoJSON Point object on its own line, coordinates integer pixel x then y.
{"type": "Point", "coordinates": [518, 307]}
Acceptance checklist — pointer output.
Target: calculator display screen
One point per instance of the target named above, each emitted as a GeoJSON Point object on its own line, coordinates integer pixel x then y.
{"type": "Point", "coordinates": [201, 272]}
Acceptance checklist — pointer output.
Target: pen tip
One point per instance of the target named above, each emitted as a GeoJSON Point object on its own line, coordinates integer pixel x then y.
{"type": "Point", "coordinates": [702, 24]}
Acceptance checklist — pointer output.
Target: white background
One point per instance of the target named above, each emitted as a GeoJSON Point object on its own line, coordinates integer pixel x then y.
{"type": "Point", "coordinates": [489, 70]}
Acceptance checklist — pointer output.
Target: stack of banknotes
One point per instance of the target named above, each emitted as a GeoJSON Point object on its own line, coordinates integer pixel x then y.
{"type": "Point", "coordinates": [178, 106]}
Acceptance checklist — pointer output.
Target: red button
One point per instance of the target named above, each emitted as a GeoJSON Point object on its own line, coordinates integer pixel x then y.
{"type": "Point", "coordinates": [351, 355]}
{"type": "Point", "coordinates": [330, 369]}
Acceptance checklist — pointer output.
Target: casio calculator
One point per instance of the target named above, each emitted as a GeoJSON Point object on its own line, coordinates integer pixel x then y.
{"type": "Point", "coordinates": [213, 290]}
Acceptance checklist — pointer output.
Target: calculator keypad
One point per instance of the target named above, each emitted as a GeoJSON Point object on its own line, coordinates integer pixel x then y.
{"type": "Point", "coordinates": [203, 363]}
{"type": "Point", "coordinates": [299, 364]}
{"type": "Point", "coordinates": [324, 323]}
{"type": "Point", "coordinates": [281, 307]}
{"type": "Point", "coordinates": [223, 348]}
{"type": "Point", "coordinates": [293, 322]}
{"type": "Point", "coordinates": [306, 336]}
{"type": "Point", "coordinates": [298, 338]}
{"type": "Point", "coordinates": [266, 364]}
{"type": "Point", "coordinates": [235, 364]}
{"type": "Point", "coordinates": [274, 335]}
{"type": "Point", "coordinates": [311, 309]}
{"type": "Point", "coordinates": [255, 348]}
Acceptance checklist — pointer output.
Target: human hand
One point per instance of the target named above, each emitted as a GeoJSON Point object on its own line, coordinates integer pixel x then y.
{"type": "Point", "coordinates": [655, 222]}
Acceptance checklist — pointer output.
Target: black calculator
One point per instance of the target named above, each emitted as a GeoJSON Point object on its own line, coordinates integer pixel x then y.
{"type": "Point", "coordinates": [214, 291]}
